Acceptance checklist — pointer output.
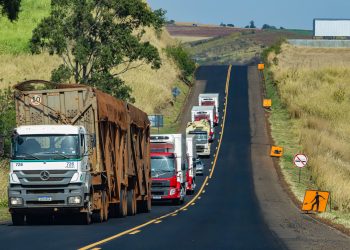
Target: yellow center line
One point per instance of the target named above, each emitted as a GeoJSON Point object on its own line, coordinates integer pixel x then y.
{"type": "Point", "coordinates": [157, 222]}
{"type": "Point", "coordinates": [191, 202]}
{"type": "Point", "coordinates": [135, 232]}
{"type": "Point", "coordinates": [223, 121]}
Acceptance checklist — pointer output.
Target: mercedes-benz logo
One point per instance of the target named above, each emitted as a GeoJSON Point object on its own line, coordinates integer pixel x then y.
{"type": "Point", "coordinates": [44, 175]}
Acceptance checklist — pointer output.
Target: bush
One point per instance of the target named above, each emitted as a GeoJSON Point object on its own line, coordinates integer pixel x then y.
{"type": "Point", "coordinates": [276, 48]}
{"type": "Point", "coordinates": [8, 117]}
{"type": "Point", "coordinates": [182, 59]}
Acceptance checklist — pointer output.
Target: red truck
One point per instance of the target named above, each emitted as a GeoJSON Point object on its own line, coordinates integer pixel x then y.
{"type": "Point", "coordinates": [168, 169]}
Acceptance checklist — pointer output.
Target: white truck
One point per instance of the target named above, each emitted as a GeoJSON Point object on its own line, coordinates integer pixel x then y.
{"type": "Point", "coordinates": [168, 168]}
{"type": "Point", "coordinates": [207, 113]}
{"type": "Point", "coordinates": [191, 154]}
{"type": "Point", "coordinates": [200, 129]}
{"type": "Point", "coordinates": [210, 99]}
{"type": "Point", "coordinates": [79, 151]}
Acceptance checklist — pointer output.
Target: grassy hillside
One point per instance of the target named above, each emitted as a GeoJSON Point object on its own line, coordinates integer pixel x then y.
{"type": "Point", "coordinates": [314, 89]}
{"type": "Point", "coordinates": [151, 89]}
{"type": "Point", "coordinates": [239, 47]}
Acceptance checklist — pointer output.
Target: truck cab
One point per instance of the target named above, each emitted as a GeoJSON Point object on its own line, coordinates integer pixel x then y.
{"type": "Point", "coordinates": [167, 168]}
{"type": "Point", "coordinates": [49, 170]}
{"type": "Point", "coordinates": [200, 130]}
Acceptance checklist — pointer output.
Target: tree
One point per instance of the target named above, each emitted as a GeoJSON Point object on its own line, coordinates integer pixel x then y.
{"type": "Point", "coordinates": [230, 25]}
{"type": "Point", "coordinates": [93, 37]}
{"type": "Point", "coordinates": [266, 27]}
{"type": "Point", "coordinates": [252, 25]}
{"type": "Point", "coordinates": [10, 8]}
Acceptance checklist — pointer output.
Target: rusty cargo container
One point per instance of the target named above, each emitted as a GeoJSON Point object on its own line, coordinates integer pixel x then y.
{"type": "Point", "coordinates": [116, 135]}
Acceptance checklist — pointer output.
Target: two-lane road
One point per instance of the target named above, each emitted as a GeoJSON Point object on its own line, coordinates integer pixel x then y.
{"type": "Point", "coordinates": [232, 211]}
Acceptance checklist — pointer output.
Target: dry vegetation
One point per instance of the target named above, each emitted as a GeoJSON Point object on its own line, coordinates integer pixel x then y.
{"type": "Point", "coordinates": [314, 84]}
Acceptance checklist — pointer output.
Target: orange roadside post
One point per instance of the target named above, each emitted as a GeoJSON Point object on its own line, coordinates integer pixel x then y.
{"type": "Point", "coordinates": [261, 66]}
{"type": "Point", "coordinates": [276, 151]}
{"type": "Point", "coordinates": [267, 103]}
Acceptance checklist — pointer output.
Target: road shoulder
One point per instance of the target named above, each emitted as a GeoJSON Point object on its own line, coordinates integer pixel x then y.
{"type": "Point", "coordinates": [296, 230]}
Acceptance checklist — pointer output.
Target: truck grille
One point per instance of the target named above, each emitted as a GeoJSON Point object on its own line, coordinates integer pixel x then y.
{"type": "Point", "coordinates": [156, 183]}
{"type": "Point", "coordinates": [55, 177]}
{"type": "Point", "coordinates": [45, 202]}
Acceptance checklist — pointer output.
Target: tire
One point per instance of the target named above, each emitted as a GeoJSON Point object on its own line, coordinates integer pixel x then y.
{"type": "Point", "coordinates": [131, 200]}
{"type": "Point", "coordinates": [85, 218]}
{"type": "Point", "coordinates": [122, 206]}
{"type": "Point", "coordinates": [144, 206]}
{"type": "Point", "coordinates": [17, 219]}
{"type": "Point", "coordinates": [105, 200]}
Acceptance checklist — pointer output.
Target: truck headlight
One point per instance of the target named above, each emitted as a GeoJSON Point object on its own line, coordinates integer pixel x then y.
{"type": "Point", "coordinates": [172, 191]}
{"type": "Point", "coordinates": [74, 200]}
{"type": "Point", "coordinates": [16, 201]}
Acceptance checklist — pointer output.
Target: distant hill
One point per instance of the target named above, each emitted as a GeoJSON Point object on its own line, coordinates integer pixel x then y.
{"type": "Point", "coordinates": [241, 46]}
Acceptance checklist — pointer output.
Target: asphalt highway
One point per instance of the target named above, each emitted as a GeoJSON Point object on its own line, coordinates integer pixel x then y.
{"type": "Point", "coordinates": [224, 212]}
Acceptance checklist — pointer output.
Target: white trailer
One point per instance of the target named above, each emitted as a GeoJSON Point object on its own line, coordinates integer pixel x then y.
{"type": "Point", "coordinates": [191, 154]}
{"type": "Point", "coordinates": [210, 99]}
{"type": "Point", "coordinates": [199, 113]}
{"type": "Point", "coordinates": [331, 27]}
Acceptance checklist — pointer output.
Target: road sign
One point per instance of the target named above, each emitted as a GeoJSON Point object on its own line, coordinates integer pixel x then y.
{"type": "Point", "coordinates": [156, 121]}
{"type": "Point", "coordinates": [35, 100]}
{"type": "Point", "coordinates": [276, 151]}
{"type": "Point", "coordinates": [261, 66]}
{"type": "Point", "coordinates": [300, 160]}
{"type": "Point", "coordinates": [267, 103]}
{"type": "Point", "coordinates": [315, 200]}
{"type": "Point", "coordinates": [175, 91]}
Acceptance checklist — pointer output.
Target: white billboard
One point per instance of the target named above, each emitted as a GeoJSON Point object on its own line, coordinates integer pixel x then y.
{"type": "Point", "coordinates": [332, 27]}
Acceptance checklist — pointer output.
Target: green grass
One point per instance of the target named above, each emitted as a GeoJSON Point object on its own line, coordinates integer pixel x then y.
{"type": "Point", "coordinates": [173, 111]}
{"type": "Point", "coordinates": [301, 32]}
{"type": "Point", "coordinates": [14, 37]}
{"type": "Point", "coordinates": [284, 134]}
{"type": "Point", "coordinates": [5, 216]}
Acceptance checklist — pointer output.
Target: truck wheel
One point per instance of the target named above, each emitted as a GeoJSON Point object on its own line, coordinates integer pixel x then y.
{"type": "Point", "coordinates": [131, 203]}
{"type": "Point", "coordinates": [17, 219]}
{"type": "Point", "coordinates": [85, 218]}
{"type": "Point", "coordinates": [123, 206]}
{"type": "Point", "coordinates": [105, 200]}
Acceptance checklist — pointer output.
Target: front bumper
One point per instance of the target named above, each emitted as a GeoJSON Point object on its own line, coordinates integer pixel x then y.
{"type": "Point", "coordinates": [164, 194]}
{"type": "Point", "coordinates": [47, 197]}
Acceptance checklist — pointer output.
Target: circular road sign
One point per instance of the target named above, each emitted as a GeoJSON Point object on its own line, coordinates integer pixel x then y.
{"type": "Point", "coordinates": [300, 160]}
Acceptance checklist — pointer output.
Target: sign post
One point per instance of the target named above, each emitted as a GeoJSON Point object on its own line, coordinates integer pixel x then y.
{"type": "Point", "coordinates": [300, 161]}
{"type": "Point", "coordinates": [156, 121]}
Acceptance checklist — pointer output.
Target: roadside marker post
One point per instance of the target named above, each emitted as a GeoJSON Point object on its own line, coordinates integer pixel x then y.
{"type": "Point", "coordinates": [300, 161]}
{"type": "Point", "coordinates": [261, 66]}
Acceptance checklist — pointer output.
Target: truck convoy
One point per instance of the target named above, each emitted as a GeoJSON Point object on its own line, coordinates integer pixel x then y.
{"type": "Point", "coordinates": [210, 100]}
{"type": "Point", "coordinates": [79, 151]}
{"type": "Point", "coordinates": [207, 113]}
{"type": "Point", "coordinates": [191, 156]}
{"type": "Point", "coordinates": [168, 168]}
{"type": "Point", "coordinates": [201, 130]}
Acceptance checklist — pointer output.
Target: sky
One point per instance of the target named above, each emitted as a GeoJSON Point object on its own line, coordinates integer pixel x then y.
{"type": "Point", "coordinates": [294, 14]}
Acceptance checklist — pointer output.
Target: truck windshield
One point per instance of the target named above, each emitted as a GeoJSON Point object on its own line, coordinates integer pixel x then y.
{"type": "Point", "coordinates": [162, 166]}
{"type": "Point", "coordinates": [201, 138]}
{"type": "Point", "coordinates": [45, 147]}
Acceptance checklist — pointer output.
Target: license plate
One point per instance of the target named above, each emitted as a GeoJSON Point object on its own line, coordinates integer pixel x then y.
{"type": "Point", "coordinates": [44, 198]}
{"type": "Point", "coordinates": [156, 197]}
